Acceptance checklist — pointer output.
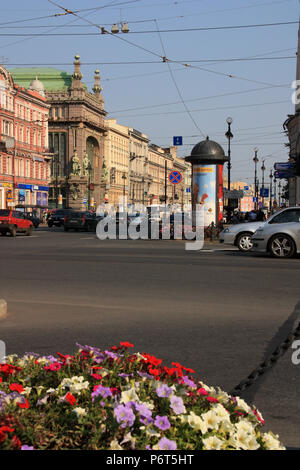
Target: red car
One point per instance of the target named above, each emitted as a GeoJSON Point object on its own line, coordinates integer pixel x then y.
{"type": "Point", "coordinates": [12, 221]}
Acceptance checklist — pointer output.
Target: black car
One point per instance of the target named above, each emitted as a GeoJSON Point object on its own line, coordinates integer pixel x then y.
{"type": "Point", "coordinates": [34, 218]}
{"type": "Point", "coordinates": [77, 220]}
{"type": "Point", "coordinates": [57, 217]}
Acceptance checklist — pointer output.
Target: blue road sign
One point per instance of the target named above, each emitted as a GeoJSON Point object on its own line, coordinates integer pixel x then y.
{"type": "Point", "coordinates": [246, 188]}
{"type": "Point", "coordinates": [284, 174]}
{"type": "Point", "coordinates": [283, 166]}
{"type": "Point", "coordinates": [255, 199]}
{"type": "Point", "coordinates": [264, 192]}
{"type": "Point", "coordinates": [177, 140]}
{"type": "Point", "coordinates": [175, 177]}
{"type": "Point", "coordinates": [188, 190]}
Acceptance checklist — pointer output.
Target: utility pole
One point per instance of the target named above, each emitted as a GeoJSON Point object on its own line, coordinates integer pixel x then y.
{"type": "Point", "coordinates": [255, 159]}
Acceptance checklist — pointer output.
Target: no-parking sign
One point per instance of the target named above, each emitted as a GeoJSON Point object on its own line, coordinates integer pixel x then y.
{"type": "Point", "coordinates": [175, 177]}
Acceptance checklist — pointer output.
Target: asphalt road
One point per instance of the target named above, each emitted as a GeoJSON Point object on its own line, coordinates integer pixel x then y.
{"type": "Point", "coordinates": [217, 311]}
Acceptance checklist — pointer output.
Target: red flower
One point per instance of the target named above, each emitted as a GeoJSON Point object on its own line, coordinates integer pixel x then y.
{"type": "Point", "coordinates": [212, 400]}
{"type": "Point", "coordinates": [70, 399]}
{"type": "Point", "coordinates": [152, 360]}
{"type": "Point", "coordinates": [16, 388]}
{"type": "Point", "coordinates": [96, 367]}
{"type": "Point", "coordinates": [3, 432]}
{"type": "Point", "coordinates": [114, 390]}
{"type": "Point", "coordinates": [24, 404]}
{"type": "Point", "coordinates": [202, 391]}
{"type": "Point", "coordinates": [96, 376]}
{"type": "Point", "coordinates": [66, 358]}
{"type": "Point", "coordinates": [126, 344]}
{"type": "Point", "coordinates": [8, 369]}
{"type": "Point", "coordinates": [54, 366]}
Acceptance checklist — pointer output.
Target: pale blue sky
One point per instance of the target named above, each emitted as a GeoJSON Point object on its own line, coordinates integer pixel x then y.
{"type": "Point", "coordinates": [169, 99]}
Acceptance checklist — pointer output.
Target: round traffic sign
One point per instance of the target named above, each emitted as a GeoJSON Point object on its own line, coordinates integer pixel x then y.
{"type": "Point", "coordinates": [175, 177]}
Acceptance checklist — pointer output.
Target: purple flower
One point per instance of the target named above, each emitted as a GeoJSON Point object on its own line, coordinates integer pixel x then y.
{"type": "Point", "coordinates": [164, 391]}
{"type": "Point", "coordinates": [145, 375]}
{"type": "Point", "coordinates": [143, 410]}
{"type": "Point", "coordinates": [111, 355]}
{"type": "Point", "coordinates": [188, 382]}
{"type": "Point", "coordinates": [125, 375]}
{"type": "Point", "coordinates": [177, 405]}
{"type": "Point", "coordinates": [124, 415]}
{"type": "Point", "coordinates": [162, 423]}
{"type": "Point", "coordinates": [166, 444]}
{"type": "Point", "coordinates": [27, 447]}
{"type": "Point", "coordinates": [103, 391]}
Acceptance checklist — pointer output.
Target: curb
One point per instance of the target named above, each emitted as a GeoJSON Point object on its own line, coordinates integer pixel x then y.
{"type": "Point", "coordinates": [3, 308]}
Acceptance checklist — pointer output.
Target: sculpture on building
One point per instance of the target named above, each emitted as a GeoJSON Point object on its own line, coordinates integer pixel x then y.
{"type": "Point", "coordinates": [104, 172]}
{"type": "Point", "coordinates": [85, 164]}
{"type": "Point", "coordinates": [75, 165]}
{"type": "Point", "coordinates": [75, 192]}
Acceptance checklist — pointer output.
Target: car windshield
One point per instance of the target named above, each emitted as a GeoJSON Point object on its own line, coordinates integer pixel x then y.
{"type": "Point", "coordinates": [4, 213]}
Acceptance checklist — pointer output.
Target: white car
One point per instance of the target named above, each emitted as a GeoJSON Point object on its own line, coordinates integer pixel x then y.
{"type": "Point", "coordinates": [240, 235]}
{"type": "Point", "coordinates": [280, 235]}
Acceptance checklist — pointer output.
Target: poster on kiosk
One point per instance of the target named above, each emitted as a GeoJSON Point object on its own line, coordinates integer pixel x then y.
{"type": "Point", "coordinates": [204, 190]}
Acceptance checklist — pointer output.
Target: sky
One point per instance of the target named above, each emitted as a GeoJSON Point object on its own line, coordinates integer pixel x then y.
{"type": "Point", "coordinates": [181, 70]}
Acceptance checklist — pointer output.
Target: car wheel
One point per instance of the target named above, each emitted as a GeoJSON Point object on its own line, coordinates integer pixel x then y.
{"type": "Point", "coordinates": [28, 231]}
{"type": "Point", "coordinates": [13, 232]}
{"type": "Point", "coordinates": [244, 242]}
{"type": "Point", "coordinates": [66, 229]}
{"type": "Point", "coordinates": [50, 224]}
{"type": "Point", "coordinates": [3, 234]}
{"type": "Point", "coordinates": [282, 246]}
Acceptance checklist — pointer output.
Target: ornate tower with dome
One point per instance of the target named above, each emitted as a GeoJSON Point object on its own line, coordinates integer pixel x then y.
{"type": "Point", "coordinates": [76, 134]}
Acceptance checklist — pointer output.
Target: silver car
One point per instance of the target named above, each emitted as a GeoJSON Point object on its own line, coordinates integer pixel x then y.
{"type": "Point", "coordinates": [280, 234]}
{"type": "Point", "coordinates": [240, 235]}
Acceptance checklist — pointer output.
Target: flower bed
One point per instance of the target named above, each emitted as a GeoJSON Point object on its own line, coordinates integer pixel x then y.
{"type": "Point", "coordinates": [119, 400]}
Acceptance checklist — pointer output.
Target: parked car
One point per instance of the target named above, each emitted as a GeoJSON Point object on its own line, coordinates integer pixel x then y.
{"type": "Point", "coordinates": [56, 218]}
{"type": "Point", "coordinates": [240, 235]}
{"type": "Point", "coordinates": [14, 222]}
{"type": "Point", "coordinates": [280, 234]}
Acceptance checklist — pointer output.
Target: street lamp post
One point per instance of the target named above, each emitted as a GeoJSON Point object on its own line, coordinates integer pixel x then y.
{"type": "Point", "coordinates": [279, 193]}
{"type": "Point", "coordinates": [229, 136]}
{"type": "Point", "coordinates": [89, 169]}
{"type": "Point", "coordinates": [124, 189]}
{"type": "Point", "coordinates": [275, 189]}
{"type": "Point", "coordinates": [255, 159]}
{"type": "Point", "coordinates": [271, 190]}
{"type": "Point", "coordinates": [263, 168]}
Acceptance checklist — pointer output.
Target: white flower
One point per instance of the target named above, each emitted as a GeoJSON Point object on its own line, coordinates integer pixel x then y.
{"type": "Point", "coordinates": [211, 420]}
{"type": "Point", "coordinates": [272, 442]}
{"type": "Point", "coordinates": [212, 443]}
{"type": "Point", "coordinates": [245, 426]}
{"type": "Point", "coordinates": [221, 412]}
{"type": "Point", "coordinates": [26, 391]}
{"type": "Point", "coordinates": [114, 445]}
{"type": "Point", "coordinates": [79, 411]}
{"type": "Point", "coordinates": [196, 422]}
{"type": "Point", "coordinates": [244, 440]}
{"type": "Point", "coordinates": [242, 405]}
{"type": "Point", "coordinates": [129, 395]}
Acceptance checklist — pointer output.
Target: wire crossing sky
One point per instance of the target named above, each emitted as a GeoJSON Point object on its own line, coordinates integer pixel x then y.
{"type": "Point", "coordinates": [181, 70]}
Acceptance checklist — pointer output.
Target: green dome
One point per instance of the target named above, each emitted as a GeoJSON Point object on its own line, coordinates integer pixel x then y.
{"type": "Point", "coordinates": [52, 79]}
